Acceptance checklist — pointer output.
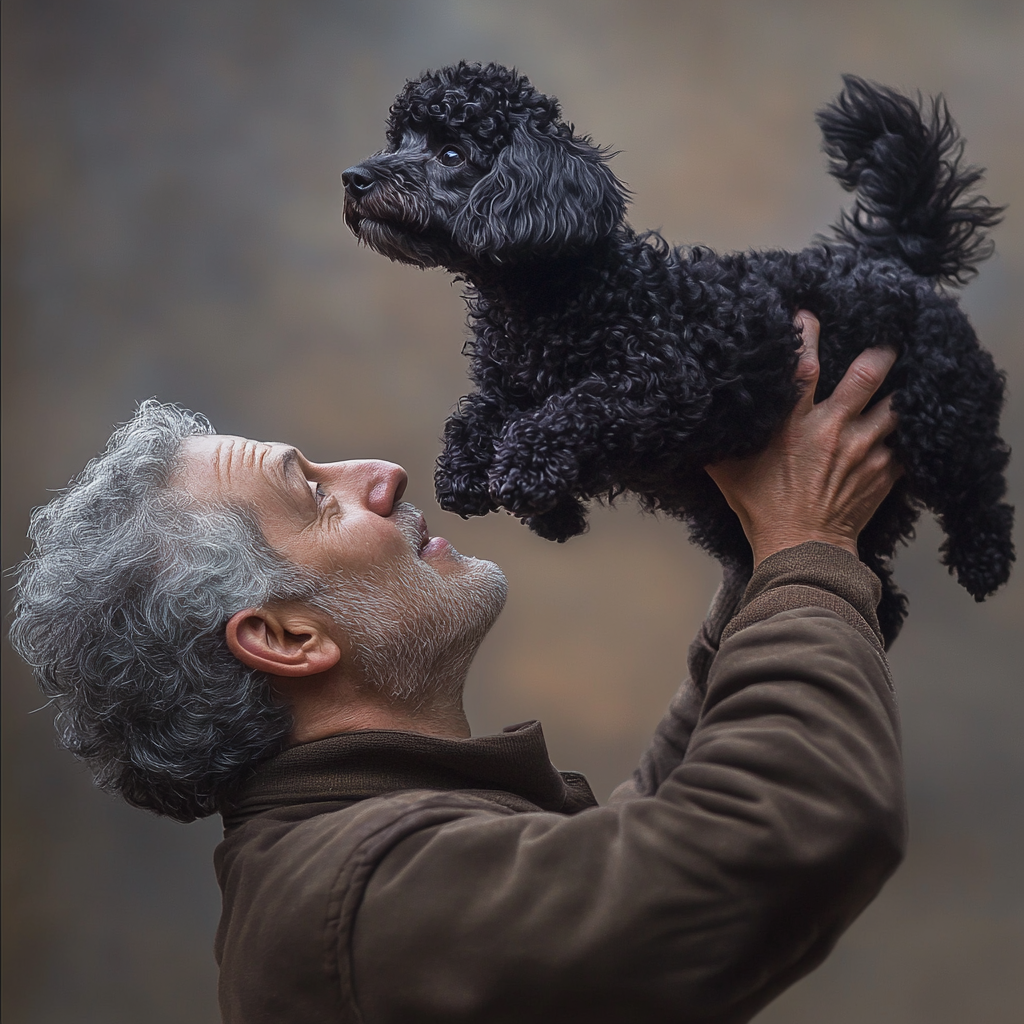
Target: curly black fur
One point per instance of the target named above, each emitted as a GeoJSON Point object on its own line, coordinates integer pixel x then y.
{"type": "Point", "coordinates": [606, 361]}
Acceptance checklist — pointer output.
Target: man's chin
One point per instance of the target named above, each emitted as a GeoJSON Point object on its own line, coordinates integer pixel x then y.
{"type": "Point", "coordinates": [498, 584]}
{"type": "Point", "coordinates": [415, 633]}
{"type": "Point", "coordinates": [480, 589]}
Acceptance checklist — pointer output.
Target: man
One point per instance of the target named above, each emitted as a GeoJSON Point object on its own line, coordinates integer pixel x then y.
{"type": "Point", "coordinates": [225, 625]}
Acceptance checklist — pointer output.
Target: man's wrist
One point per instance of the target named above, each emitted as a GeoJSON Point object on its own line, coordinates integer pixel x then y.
{"type": "Point", "coordinates": [812, 574]}
{"type": "Point", "coordinates": [769, 546]}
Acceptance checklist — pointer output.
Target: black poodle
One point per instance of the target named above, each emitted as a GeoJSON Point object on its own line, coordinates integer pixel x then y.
{"type": "Point", "coordinates": [607, 361]}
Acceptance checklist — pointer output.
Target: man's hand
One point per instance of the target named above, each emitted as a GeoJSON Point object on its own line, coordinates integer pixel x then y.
{"type": "Point", "coordinates": [827, 469]}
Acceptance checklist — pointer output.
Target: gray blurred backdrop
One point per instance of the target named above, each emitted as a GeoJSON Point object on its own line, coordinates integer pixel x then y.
{"type": "Point", "coordinates": [171, 224]}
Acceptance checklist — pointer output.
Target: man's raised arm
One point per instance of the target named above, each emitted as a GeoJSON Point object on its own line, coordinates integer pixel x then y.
{"type": "Point", "coordinates": [733, 872]}
{"type": "Point", "coordinates": [822, 479]}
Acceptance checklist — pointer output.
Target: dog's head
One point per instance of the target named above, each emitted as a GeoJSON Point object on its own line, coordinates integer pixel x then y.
{"type": "Point", "coordinates": [479, 168]}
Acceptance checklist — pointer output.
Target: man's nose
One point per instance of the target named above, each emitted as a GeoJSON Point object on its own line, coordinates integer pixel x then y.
{"type": "Point", "coordinates": [382, 484]}
{"type": "Point", "coordinates": [358, 180]}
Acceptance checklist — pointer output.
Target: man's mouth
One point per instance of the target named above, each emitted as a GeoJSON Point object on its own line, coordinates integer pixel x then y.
{"type": "Point", "coordinates": [428, 546]}
{"type": "Point", "coordinates": [424, 534]}
{"type": "Point", "coordinates": [413, 524]}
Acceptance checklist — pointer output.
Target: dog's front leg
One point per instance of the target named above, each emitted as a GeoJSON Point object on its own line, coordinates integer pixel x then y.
{"type": "Point", "coordinates": [541, 455]}
{"type": "Point", "coordinates": [461, 474]}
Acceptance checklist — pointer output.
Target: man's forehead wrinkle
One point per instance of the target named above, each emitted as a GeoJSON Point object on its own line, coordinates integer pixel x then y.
{"type": "Point", "coordinates": [222, 461]}
{"type": "Point", "coordinates": [255, 454]}
{"type": "Point", "coordinates": [237, 453]}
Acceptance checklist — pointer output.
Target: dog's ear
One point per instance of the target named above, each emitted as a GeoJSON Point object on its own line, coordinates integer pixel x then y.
{"type": "Point", "coordinates": [546, 195]}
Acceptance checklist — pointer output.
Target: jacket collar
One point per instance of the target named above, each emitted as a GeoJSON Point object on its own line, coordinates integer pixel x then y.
{"type": "Point", "coordinates": [359, 765]}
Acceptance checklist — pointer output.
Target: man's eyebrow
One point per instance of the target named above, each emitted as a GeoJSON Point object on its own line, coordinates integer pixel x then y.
{"type": "Point", "coordinates": [287, 464]}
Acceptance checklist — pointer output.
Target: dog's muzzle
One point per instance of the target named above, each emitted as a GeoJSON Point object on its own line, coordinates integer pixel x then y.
{"type": "Point", "coordinates": [358, 181]}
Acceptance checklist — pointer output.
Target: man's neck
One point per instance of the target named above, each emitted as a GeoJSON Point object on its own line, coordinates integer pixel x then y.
{"type": "Point", "coordinates": [449, 722]}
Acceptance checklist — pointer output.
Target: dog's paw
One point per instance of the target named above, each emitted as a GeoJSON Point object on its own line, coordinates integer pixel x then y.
{"type": "Point", "coordinates": [530, 490]}
{"type": "Point", "coordinates": [530, 475]}
{"type": "Point", "coordinates": [567, 519]}
{"type": "Point", "coordinates": [462, 489]}
{"type": "Point", "coordinates": [982, 555]}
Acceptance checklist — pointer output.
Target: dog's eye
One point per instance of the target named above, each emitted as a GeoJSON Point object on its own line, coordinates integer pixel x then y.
{"type": "Point", "coordinates": [450, 156]}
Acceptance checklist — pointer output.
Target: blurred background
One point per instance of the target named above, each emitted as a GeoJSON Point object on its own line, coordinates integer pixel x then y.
{"type": "Point", "coordinates": [171, 227]}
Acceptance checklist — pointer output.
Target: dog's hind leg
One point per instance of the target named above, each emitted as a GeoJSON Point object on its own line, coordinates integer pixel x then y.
{"type": "Point", "coordinates": [948, 442]}
{"type": "Point", "coordinates": [461, 474]}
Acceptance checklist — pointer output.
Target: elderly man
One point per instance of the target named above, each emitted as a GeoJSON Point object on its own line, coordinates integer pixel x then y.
{"type": "Point", "coordinates": [227, 626]}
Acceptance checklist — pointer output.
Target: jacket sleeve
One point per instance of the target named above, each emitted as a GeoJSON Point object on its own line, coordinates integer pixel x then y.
{"type": "Point", "coordinates": [672, 735]}
{"type": "Point", "coordinates": [699, 902]}
{"type": "Point", "coordinates": [812, 573]}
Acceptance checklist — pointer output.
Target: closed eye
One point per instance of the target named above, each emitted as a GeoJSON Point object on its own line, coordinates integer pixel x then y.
{"type": "Point", "coordinates": [450, 156]}
{"type": "Point", "coordinates": [319, 494]}
{"type": "Point", "coordinates": [289, 466]}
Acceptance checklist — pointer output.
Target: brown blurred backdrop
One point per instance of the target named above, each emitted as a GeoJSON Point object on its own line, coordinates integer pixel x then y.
{"type": "Point", "coordinates": [171, 227]}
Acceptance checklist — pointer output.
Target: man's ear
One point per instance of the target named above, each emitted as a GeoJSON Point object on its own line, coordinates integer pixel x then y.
{"type": "Point", "coordinates": [285, 641]}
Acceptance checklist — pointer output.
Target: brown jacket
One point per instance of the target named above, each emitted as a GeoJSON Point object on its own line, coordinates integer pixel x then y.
{"type": "Point", "coordinates": [394, 877]}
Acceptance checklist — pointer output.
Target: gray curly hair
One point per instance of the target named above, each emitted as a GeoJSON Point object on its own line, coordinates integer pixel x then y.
{"type": "Point", "coordinates": [120, 610]}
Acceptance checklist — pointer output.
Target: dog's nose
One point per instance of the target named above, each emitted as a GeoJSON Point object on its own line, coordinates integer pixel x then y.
{"type": "Point", "coordinates": [357, 181]}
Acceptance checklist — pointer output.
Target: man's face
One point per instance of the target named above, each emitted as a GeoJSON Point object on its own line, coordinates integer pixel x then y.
{"type": "Point", "coordinates": [405, 603]}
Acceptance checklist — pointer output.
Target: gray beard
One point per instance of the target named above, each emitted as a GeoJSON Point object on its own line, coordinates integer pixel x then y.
{"type": "Point", "coordinates": [414, 640]}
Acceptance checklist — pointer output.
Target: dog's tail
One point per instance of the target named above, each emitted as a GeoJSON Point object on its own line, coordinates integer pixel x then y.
{"type": "Point", "coordinates": [903, 159]}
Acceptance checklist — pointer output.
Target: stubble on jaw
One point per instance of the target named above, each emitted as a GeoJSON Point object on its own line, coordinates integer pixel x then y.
{"type": "Point", "coordinates": [414, 637]}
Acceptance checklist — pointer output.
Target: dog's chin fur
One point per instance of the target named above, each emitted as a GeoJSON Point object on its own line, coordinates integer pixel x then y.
{"type": "Point", "coordinates": [395, 243]}
{"type": "Point", "coordinates": [606, 360]}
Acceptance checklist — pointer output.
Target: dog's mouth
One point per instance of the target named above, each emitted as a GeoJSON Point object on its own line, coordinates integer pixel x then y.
{"type": "Point", "coordinates": [396, 240]}
{"type": "Point", "coordinates": [366, 224]}
{"type": "Point", "coordinates": [363, 225]}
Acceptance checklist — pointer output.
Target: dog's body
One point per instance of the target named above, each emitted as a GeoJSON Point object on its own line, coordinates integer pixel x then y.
{"type": "Point", "coordinates": [607, 361]}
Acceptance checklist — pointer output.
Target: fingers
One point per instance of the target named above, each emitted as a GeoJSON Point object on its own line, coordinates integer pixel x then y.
{"type": "Point", "coordinates": [875, 476]}
{"type": "Point", "coordinates": [880, 420]}
{"type": "Point", "coordinates": [864, 453]}
{"type": "Point", "coordinates": [807, 363]}
{"type": "Point", "coordinates": [880, 460]}
{"type": "Point", "coordinates": [872, 465]}
{"type": "Point", "coordinates": [862, 380]}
